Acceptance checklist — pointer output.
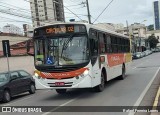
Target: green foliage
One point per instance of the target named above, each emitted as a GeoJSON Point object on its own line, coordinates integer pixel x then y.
{"type": "Point", "coordinates": [150, 27]}
{"type": "Point", "coordinates": [153, 41]}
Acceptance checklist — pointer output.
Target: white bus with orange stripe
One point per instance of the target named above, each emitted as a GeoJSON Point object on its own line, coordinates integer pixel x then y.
{"type": "Point", "coordinates": [78, 55]}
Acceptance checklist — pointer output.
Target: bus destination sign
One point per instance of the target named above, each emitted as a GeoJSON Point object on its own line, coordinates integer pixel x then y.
{"type": "Point", "coordinates": [63, 29]}
{"type": "Point", "coordinates": [59, 29]}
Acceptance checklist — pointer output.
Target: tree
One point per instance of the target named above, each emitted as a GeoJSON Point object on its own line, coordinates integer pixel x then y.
{"type": "Point", "coordinates": [153, 41]}
{"type": "Point", "coordinates": [150, 27]}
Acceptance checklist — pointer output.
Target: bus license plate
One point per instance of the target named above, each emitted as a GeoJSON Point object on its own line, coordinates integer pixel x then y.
{"type": "Point", "coordinates": [59, 83]}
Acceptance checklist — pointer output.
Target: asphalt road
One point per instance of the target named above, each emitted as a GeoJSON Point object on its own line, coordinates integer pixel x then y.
{"type": "Point", "coordinates": [128, 92]}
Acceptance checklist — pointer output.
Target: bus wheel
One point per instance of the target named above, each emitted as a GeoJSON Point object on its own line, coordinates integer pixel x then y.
{"type": "Point", "coordinates": [121, 77]}
{"type": "Point", "coordinates": [101, 86]}
{"type": "Point", "coordinates": [61, 91]}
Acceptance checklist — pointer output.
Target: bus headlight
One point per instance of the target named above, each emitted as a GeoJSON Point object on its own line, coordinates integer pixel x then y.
{"type": "Point", "coordinates": [85, 73]}
{"type": "Point", "coordinates": [36, 75]}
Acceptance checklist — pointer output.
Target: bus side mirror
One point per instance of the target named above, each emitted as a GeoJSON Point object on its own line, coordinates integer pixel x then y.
{"type": "Point", "coordinates": [30, 47]}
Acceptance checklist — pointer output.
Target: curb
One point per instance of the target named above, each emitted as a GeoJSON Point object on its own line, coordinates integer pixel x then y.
{"type": "Point", "coordinates": [155, 104]}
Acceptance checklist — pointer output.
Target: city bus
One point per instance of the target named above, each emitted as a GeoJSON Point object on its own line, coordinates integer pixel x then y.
{"type": "Point", "coordinates": [79, 55]}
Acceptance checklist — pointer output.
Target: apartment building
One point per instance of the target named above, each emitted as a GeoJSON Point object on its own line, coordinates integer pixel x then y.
{"type": "Point", "coordinates": [12, 29]}
{"type": "Point", "coordinates": [156, 13]}
{"type": "Point", "coordinates": [28, 30]}
{"type": "Point", "coordinates": [138, 33]}
{"type": "Point", "coordinates": [136, 29]}
{"type": "Point", "coordinates": [45, 12]}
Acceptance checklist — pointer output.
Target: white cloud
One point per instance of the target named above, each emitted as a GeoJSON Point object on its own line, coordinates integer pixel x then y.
{"type": "Point", "coordinates": [120, 10]}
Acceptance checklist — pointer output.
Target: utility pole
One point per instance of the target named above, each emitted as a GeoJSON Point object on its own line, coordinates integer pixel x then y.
{"type": "Point", "coordinates": [127, 28]}
{"type": "Point", "coordinates": [89, 16]}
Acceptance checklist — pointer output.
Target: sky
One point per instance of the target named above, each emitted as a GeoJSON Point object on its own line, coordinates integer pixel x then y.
{"type": "Point", "coordinates": [119, 11]}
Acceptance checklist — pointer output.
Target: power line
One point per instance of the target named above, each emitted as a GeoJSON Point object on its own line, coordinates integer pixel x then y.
{"type": "Point", "coordinates": [69, 10]}
{"type": "Point", "coordinates": [77, 14]}
{"type": "Point", "coordinates": [79, 7]}
{"type": "Point", "coordinates": [74, 5]}
{"type": "Point", "coordinates": [17, 14]}
{"type": "Point", "coordinates": [74, 1]}
{"type": "Point", "coordinates": [15, 20]}
{"type": "Point", "coordinates": [12, 12]}
{"type": "Point", "coordinates": [103, 11]}
{"type": "Point", "coordinates": [60, 4]}
{"type": "Point", "coordinates": [16, 7]}
{"type": "Point", "coordinates": [94, 19]}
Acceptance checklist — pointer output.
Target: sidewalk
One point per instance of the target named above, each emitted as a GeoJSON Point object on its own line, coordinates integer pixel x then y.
{"type": "Point", "coordinates": [152, 97]}
{"type": "Point", "coordinates": [156, 103]}
{"type": "Point", "coordinates": [157, 99]}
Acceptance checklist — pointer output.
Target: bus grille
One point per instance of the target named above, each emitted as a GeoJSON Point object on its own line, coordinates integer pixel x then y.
{"type": "Point", "coordinates": [58, 70]}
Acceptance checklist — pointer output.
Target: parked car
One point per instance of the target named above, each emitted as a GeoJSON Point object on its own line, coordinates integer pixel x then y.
{"type": "Point", "coordinates": [137, 55]}
{"type": "Point", "coordinates": [146, 52]}
{"type": "Point", "coordinates": [156, 50]}
{"type": "Point", "coordinates": [15, 82]}
{"type": "Point", "coordinates": [143, 54]}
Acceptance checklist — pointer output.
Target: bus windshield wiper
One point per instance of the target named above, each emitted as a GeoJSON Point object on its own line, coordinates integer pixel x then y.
{"type": "Point", "coordinates": [65, 44]}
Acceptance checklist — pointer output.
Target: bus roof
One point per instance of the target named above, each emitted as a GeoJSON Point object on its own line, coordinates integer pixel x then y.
{"type": "Point", "coordinates": [88, 27]}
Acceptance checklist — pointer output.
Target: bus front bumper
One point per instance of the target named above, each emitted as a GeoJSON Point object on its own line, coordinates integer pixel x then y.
{"type": "Point", "coordinates": [75, 82]}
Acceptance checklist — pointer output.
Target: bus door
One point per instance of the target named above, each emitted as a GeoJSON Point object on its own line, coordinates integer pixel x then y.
{"type": "Point", "coordinates": [96, 71]}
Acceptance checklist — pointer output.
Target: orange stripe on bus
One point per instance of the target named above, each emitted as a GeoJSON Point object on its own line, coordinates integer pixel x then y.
{"type": "Point", "coordinates": [115, 59]}
{"type": "Point", "coordinates": [63, 74]}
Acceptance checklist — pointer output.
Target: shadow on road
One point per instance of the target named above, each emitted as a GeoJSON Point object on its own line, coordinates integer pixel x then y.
{"type": "Point", "coordinates": [17, 97]}
{"type": "Point", "coordinates": [73, 93]}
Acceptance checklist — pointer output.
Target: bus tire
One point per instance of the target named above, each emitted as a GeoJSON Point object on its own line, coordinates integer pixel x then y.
{"type": "Point", "coordinates": [101, 86]}
{"type": "Point", "coordinates": [61, 91]}
{"type": "Point", "coordinates": [122, 77]}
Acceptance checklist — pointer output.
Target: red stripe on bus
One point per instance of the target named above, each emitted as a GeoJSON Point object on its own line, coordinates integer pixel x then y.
{"type": "Point", "coordinates": [115, 59]}
{"type": "Point", "coordinates": [63, 74]}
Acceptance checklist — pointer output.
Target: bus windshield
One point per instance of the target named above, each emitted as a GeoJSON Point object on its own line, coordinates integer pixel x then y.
{"type": "Point", "coordinates": [66, 50]}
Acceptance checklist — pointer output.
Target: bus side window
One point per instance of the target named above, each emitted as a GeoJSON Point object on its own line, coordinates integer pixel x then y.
{"type": "Point", "coordinates": [101, 43]}
{"type": "Point", "coordinates": [119, 45]}
{"type": "Point", "coordinates": [108, 45]}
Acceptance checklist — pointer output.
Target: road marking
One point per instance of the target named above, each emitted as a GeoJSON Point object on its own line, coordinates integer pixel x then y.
{"type": "Point", "coordinates": [156, 99]}
{"type": "Point", "coordinates": [61, 105]}
{"type": "Point", "coordinates": [9, 104]}
{"type": "Point", "coordinates": [144, 92]}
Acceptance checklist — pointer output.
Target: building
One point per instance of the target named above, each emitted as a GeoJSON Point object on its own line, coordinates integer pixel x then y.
{"type": "Point", "coordinates": [28, 30]}
{"type": "Point", "coordinates": [108, 26]}
{"type": "Point", "coordinates": [118, 26]}
{"type": "Point", "coordinates": [156, 11]}
{"type": "Point", "coordinates": [46, 12]}
{"type": "Point", "coordinates": [12, 29]}
{"type": "Point", "coordinates": [138, 33]}
{"type": "Point", "coordinates": [136, 29]}
{"type": "Point", "coordinates": [17, 44]}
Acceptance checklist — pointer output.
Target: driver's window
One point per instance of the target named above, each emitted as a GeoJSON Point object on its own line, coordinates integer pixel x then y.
{"type": "Point", "coordinates": [93, 46]}
{"type": "Point", "coordinates": [93, 43]}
